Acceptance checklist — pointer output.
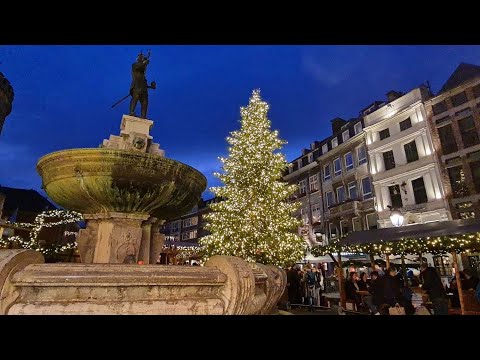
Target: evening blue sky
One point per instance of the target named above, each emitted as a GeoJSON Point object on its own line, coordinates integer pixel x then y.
{"type": "Point", "coordinates": [63, 94]}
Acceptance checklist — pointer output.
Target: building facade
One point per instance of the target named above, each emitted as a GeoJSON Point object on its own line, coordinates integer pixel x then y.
{"type": "Point", "coordinates": [335, 190]}
{"type": "Point", "coordinates": [346, 183]}
{"type": "Point", "coordinates": [305, 172]}
{"type": "Point", "coordinates": [403, 165]}
{"type": "Point", "coordinates": [454, 120]}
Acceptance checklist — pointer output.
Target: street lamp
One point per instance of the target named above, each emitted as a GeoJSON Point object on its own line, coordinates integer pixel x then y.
{"type": "Point", "coordinates": [396, 217]}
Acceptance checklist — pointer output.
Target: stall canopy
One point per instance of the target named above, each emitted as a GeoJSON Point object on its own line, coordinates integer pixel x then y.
{"type": "Point", "coordinates": [432, 229]}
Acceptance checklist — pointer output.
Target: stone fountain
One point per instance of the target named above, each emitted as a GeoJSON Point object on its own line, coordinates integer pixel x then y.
{"type": "Point", "coordinates": [125, 190]}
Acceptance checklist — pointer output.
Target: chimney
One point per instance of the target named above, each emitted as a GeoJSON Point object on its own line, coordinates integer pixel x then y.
{"type": "Point", "coordinates": [393, 95]}
{"type": "Point", "coordinates": [337, 124]}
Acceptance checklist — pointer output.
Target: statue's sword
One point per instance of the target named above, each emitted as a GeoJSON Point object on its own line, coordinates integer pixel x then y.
{"type": "Point", "coordinates": [119, 101]}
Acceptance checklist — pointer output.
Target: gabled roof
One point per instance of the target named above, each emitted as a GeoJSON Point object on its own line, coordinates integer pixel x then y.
{"type": "Point", "coordinates": [25, 200]}
{"type": "Point", "coordinates": [462, 73]}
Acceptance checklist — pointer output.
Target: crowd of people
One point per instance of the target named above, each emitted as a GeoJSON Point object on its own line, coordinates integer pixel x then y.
{"type": "Point", "coordinates": [389, 289]}
{"type": "Point", "coordinates": [305, 286]}
{"type": "Point", "coordinates": [379, 291]}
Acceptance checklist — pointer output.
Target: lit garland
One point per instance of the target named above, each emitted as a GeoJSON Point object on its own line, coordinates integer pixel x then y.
{"type": "Point", "coordinates": [255, 219]}
{"type": "Point", "coordinates": [433, 245]}
{"type": "Point", "coordinates": [67, 217]}
{"type": "Point", "coordinates": [185, 252]}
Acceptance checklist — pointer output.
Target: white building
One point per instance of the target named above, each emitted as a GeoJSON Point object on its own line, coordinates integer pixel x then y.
{"type": "Point", "coordinates": [404, 170]}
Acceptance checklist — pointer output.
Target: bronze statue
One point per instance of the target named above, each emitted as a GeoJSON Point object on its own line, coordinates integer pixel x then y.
{"type": "Point", "coordinates": [139, 86]}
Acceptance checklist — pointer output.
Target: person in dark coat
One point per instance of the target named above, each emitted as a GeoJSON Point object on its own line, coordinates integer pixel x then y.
{"type": "Point", "coordinates": [391, 288]}
{"type": "Point", "coordinates": [375, 298]}
{"type": "Point", "coordinates": [293, 283]}
{"type": "Point", "coordinates": [471, 281]}
{"type": "Point", "coordinates": [362, 283]}
{"type": "Point", "coordinates": [351, 288]}
{"type": "Point", "coordinates": [433, 285]}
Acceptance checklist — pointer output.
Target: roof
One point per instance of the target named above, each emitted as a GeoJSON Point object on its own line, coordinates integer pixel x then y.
{"type": "Point", "coordinates": [24, 200]}
{"type": "Point", "coordinates": [431, 229]}
{"type": "Point", "coordinates": [462, 73]}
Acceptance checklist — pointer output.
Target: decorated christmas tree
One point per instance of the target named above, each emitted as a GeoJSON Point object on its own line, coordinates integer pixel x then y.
{"type": "Point", "coordinates": [254, 221]}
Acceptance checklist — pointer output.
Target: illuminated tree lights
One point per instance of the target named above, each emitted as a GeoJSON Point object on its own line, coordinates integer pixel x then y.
{"type": "Point", "coordinates": [255, 220]}
{"type": "Point", "coordinates": [66, 217]}
{"type": "Point", "coordinates": [433, 245]}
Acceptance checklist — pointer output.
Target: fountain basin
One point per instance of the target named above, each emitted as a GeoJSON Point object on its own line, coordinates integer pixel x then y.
{"type": "Point", "coordinates": [102, 180]}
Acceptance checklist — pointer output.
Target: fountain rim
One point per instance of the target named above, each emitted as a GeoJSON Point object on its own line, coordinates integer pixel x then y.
{"type": "Point", "coordinates": [50, 156]}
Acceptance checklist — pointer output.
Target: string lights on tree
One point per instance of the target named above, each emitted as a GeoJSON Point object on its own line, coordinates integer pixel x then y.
{"type": "Point", "coordinates": [255, 220]}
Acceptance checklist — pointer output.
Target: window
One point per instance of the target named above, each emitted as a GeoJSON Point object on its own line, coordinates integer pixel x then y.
{"type": "Point", "coordinates": [439, 108]}
{"type": "Point", "coordinates": [395, 196]}
{"type": "Point", "coordinates": [372, 221]}
{"type": "Point", "coordinates": [337, 167]}
{"type": "Point", "coordinates": [190, 222]}
{"type": "Point", "coordinates": [358, 128]}
{"type": "Point", "coordinates": [357, 224]}
{"type": "Point", "coordinates": [352, 190]}
{"type": "Point", "coordinates": [333, 231]}
{"type": "Point", "coordinates": [447, 139]}
{"type": "Point", "coordinates": [327, 172]}
{"type": "Point", "coordinates": [367, 188]}
{"type": "Point", "coordinates": [334, 142]}
{"type": "Point", "coordinates": [468, 131]}
{"type": "Point", "coordinates": [345, 135]}
{"type": "Point", "coordinates": [324, 148]}
{"type": "Point", "coordinates": [475, 168]}
{"type": "Point", "coordinates": [385, 133]}
{"type": "Point", "coordinates": [176, 226]}
{"type": "Point", "coordinates": [310, 158]}
{"type": "Point", "coordinates": [411, 151]}
{"type": "Point", "coordinates": [348, 161]}
{"type": "Point", "coordinates": [313, 183]}
{"type": "Point", "coordinates": [362, 155]}
{"type": "Point", "coordinates": [295, 166]}
{"type": "Point", "coordinates": [344, 227]}
{"type": "Point", "coordinates": [341, 194]}
{"type": "Point", "coordinates": [389, 160]}
{"type": "Point", "coordinates": [189, 235]}
{"type": "Point", "coordinates": [459, 99]}
{"type": "Point", "coordinates": [316, 215]}
{"type": "Point", "coordinates": [466, 215]}
{"type": "Point", "coordinates": [304, 215]}
{"type": "Point", "coordinates": [419, 192]}
{"type": "Point", "coordinates": [457, 181]}
{"type": "Point", "coordinates": [302, 187]}
{"type": "Point", "coordinates": [305, 161]}
{"type": "Point", "coordinates": [476, 91]}
{"type": "Point", "coordinates": [405, 124]}
{"type": "Point", "coordinates": [329, 198]}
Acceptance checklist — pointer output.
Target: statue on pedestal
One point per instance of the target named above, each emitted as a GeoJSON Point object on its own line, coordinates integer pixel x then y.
{"type": "Point", "coordinates": [139, 86]}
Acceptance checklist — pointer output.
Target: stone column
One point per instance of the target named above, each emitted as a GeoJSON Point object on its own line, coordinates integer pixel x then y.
{"type": "Point", "coordinates": [144, 252]}
{"type": "Point", "coordinates": [157, 241]}
{"type": "Point", "coordinates": [111, 237]}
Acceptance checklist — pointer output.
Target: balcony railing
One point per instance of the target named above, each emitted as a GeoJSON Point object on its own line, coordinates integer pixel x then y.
{"type": "Point", "coordinates": [347, 206]}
